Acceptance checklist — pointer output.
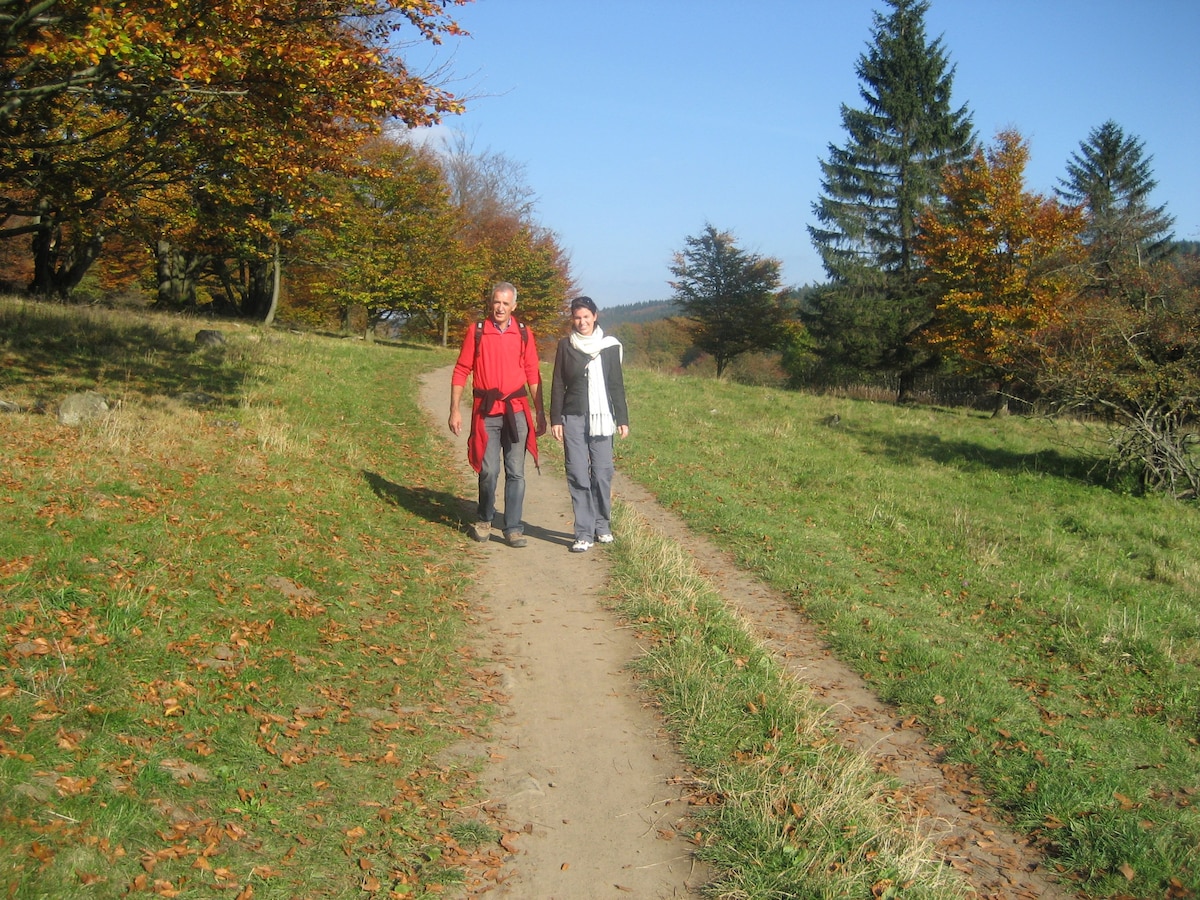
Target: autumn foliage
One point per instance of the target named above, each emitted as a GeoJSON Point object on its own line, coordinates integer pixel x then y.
{"type": "Point", "coordinates": [238, 145]}
{"type": "Point", "coordinates": [1003, 260]}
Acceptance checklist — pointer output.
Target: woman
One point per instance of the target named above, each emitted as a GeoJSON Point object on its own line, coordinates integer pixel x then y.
{"type": "Point", "coordinates": [587, 406]}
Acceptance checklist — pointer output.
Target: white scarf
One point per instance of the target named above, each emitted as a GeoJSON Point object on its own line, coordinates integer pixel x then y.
{"type": "Point", "coordinates": [600, 420]}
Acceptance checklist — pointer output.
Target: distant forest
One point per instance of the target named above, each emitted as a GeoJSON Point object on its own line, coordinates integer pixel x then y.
{"type": "Point", "coordinates": [649, 311]}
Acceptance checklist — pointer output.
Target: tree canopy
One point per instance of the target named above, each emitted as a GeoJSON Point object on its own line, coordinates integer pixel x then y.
{"type": "Point", "coordinates": [1002, 260]}
{"type": "Point", "coordinates": [1111, 178]}
{"type": "Point", "coordinates": [107, 106]}
{"type": "Point", "coordinates": [889, 170]}
{"type": "Point", "coordinates": [876, 185]}
{"type": "Point", "coordinates": [731, 296]}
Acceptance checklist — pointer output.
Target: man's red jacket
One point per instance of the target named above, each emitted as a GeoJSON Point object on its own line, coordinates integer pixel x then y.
{"type": "Point", "coordinates": [500, 368]}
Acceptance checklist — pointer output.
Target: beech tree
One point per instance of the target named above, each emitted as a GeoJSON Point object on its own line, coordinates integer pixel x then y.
{"type": "Point", "coordinates": [112, 101]}
{"type": "Point", "coordinates": [731, 297]}
{"type": "Point", "coordinates": [875, 186]}
{"type": "Point", "coordinates": [384, 239]}
{"type": "Point", "coordinates": [1003, 262]}
{"type": "Point", "coordinates": [1111, 178]}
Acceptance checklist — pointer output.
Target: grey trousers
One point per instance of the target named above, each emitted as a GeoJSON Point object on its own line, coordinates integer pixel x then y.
{"type": "Point", "coordinates": [514, 472]}
{"type": "Point", "coordinates": [589, 464]}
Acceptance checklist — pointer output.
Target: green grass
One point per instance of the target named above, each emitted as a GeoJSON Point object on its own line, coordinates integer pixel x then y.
{"type": "Point", "coordinates": [1045, 627]}
{"type": "Point", "coordinates": [792, 813]}
{"type": "Point", "coordinates": [233, 635]}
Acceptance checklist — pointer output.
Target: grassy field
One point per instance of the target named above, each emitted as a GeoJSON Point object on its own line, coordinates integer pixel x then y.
{"type": "Point", "coordinates": [1044, 627]}
{"type": "Point", "coordinates": [236, 636]}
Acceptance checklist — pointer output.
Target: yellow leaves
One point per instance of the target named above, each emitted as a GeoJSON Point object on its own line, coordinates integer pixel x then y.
{"type": "Point", "coordinates": [1000, 256]}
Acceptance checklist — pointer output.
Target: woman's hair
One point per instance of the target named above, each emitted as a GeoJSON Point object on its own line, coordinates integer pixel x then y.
{"type": "Point", "coordinates": [585, 303]}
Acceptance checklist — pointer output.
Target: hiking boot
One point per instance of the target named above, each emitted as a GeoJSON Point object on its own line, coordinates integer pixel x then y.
{"type": "Point", "coordinates": [515, 539]}
{"type": "Point", "coordinates": [581, 546]}
{"type": "Point", "coordinates": [481, 531]}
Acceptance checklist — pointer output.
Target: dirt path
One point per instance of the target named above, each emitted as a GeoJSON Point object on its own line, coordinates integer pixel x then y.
{"type": "Point", "coordinates": [582, 771]}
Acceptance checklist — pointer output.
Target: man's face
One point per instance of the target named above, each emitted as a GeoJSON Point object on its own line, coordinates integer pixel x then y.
{"type": "Point", "coordinates": [503, 304]}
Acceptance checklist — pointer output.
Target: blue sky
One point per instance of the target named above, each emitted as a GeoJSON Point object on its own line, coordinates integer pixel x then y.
{"type": "Point", "coordinates": [639, 121]}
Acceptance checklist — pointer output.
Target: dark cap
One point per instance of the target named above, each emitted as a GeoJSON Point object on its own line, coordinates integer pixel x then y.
{"type": "Point", "coordinates": [585, 303]}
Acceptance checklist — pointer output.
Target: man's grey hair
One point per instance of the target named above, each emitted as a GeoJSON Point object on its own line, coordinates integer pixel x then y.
{"type": "Point", "coordinates": [504, 286]}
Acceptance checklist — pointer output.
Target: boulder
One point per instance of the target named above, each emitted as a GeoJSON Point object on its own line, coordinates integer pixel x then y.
{"type": "Point", "coordinates": [209, 337]}
{"type": "Point", "coordinates": [76, 409]}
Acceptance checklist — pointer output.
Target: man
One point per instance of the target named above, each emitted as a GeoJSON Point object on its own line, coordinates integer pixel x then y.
{"type": "Point", "coordinates": [501, 357]}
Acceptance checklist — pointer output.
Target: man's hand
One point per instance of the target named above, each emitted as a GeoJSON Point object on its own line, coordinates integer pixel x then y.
{"type": "Point", "coordinates": [455, 420]}
{"type": "Point", "coordinates": [557, 431]}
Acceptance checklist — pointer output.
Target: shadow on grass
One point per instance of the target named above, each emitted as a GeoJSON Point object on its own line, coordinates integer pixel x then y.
{"type": "Point", "coordinates": [442, 508]}
{"type": "Point", "coordinates": [972, 456]}
{"type": "Point", "coordinates": [438, 507]}
{"type": "Point", "coordinates": [59, 349]}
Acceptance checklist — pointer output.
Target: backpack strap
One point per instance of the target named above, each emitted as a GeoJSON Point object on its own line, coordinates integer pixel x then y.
{"type": "Point", "coordinates": [479, 337]}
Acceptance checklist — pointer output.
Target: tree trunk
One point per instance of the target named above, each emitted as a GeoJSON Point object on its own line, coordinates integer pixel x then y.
{"type": "Point", "coordinates": [261, 290]}
{"type": "Point", "coordinates": [176, 276]}
{"type": "Point", "coordinates": [357, 319]}
{"type": "Point", "coordinates": [1002, 395]}
{"type": "Point", "coordinates": [43, 242]}
{"type": "Point", "coordinates": [57, 267]}
{"type": "Point", "coordinates": [275, 280]}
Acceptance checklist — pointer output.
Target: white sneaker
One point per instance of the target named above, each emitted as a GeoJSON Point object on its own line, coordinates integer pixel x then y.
{"type": "Point", "coordinates": [604, 538]}
{"type": "Point", "coordinates": [581, 546]}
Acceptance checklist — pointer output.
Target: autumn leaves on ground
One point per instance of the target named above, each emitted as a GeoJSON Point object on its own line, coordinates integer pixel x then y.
{"type": "Point", "coordinates": [231, 634]}
{"type": "Point", "coordinates": [236, 643]}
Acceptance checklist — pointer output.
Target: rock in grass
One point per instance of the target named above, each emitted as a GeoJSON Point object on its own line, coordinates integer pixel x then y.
{"type": "Point", "coordinates": [77, 409]}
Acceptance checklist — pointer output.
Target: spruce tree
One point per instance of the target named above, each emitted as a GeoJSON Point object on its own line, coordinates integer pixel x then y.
{"type": "Point", "coordinates": [1110, 177]}
{"type": "Point", "coordinates": [874, 187]}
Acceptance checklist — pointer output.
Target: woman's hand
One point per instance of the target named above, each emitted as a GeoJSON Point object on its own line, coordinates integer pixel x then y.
{"type": "Point", "coordinates": [557, 431]}
{"type": "Point", "coordinates": [623, 430]}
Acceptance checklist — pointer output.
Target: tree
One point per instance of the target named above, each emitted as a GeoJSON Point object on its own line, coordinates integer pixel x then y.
{"type": "Point", "coordinates": [1129, 353]}
{"type": "Point", "coordinates": [874, 188]}
{"type": "Point", "coordinates": [1110, 177]}
{"type": "Point", "coordinates": [732, 297]}
{"type": "Point", "coordinates": [383, 242]}
{"type": "Point", "coordinates": [110, 103]}
{"type": "Point", "coordinates": [1003, 262]}
{"type": "Point", "coordinates": [498, 228]}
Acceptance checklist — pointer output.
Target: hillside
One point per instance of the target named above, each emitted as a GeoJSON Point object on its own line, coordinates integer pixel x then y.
{"type": "Point", "coordinates": [612, 317]}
